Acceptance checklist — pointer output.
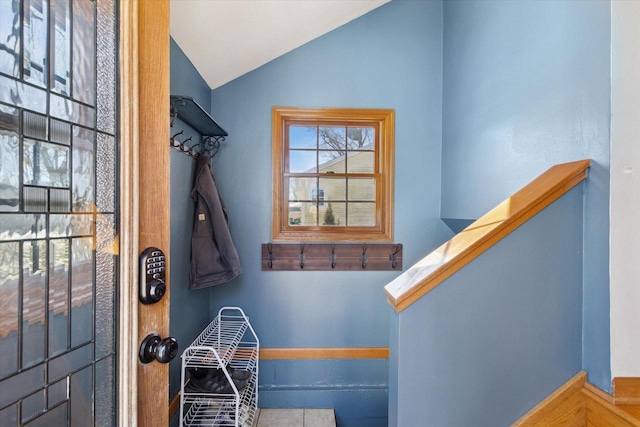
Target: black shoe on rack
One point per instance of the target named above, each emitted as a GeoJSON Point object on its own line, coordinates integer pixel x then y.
{"type": "Point", "coordinates": [213, 380]}
{"type": "Point", "coordinates": [239, 374]}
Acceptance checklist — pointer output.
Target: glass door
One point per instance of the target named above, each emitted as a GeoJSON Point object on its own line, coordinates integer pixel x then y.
{"type": "Point", "coordinates": [58, 212]}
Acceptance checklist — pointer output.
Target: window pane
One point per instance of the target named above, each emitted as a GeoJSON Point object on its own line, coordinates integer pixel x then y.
{"type": "Point", "coordinates": [332, 161]}
{"type": "Point", "coordinates": [81, 385]}
{"type": "Point", "coordinates": [61, 52]}
{"type": "Point", "coordinates": [105, 285]}
{"type": "Point", "coordinates": [308, 214]}
{"type": "Point", "coordinates": [18, 94]}
{"type": "Point", "coordinates": [362, 189]}
{"type": "Point", "coordinates": [70, 225]}
{"type": "Point", "coordinates": [302, 188]}
{"type": "Point", "coordinates": [9, 277]}
{"type": "Point", "coordinates": [81, 290]}
{"type": "Point", "coordinates": [104, 393]}
{"type": "Point", "coordinates": [360, 138]}
{"type": "Point", "coordinates": [83, 169]}
{"type": "Point", "coordinates": [303, 137]}
{"type": "Point", "coordinates": [332, 138]}
{"type": "Point", "coordinates": [317, 195]}
{"type": "Point", "coordinates": [9, 38]}
{"type": "Point", "coordinates": [21, 227]}
{"type": "Point", "coordinates": [58, 296]}
{"type": "Point", "coordinates": [106, 173]}
{"type": "Point", "coordinates": [84, 47]}
{"type": "Point", "coordinates": [362, 214]}
{"type": "Point", "coordinates": [35, 42]}
{"type": "Point", "coordinates": [34, 125]}
{"type": "Point", "coordinates": [46, 164]}
{"type": "Point", "coordinates": [60, 200]}
{"type": "Point", "coordinates": [57, 393]}
{"type": "Point", "coordinates": [66, 109]}
{"type": "Point", "coordinates": [334, 188]}
{"type": "Point", "coordinates": [33, 301]}
{"type": "Point", "coordinates": [60, 132]}
{"type": "Point", "coordinates": [9, 158]}
{"type": "Point", "coordinates": [106, 57]}
{"type": "Point", "coordinates": [35, 199]}
{"type": "Point", "coordinates": [333, 214]}
{"type": "Point", "coordinates": [295, 213]}
{"type": "Point", "coordinates": [360, 162]}
{"type": "Point", "coordinates": [302, 161]}
{"type": "Point", "coordinates": [33, 405]}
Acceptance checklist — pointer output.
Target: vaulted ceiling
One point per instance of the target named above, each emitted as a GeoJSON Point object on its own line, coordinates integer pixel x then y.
{"type": "Point", "coordinates": [225, 39]}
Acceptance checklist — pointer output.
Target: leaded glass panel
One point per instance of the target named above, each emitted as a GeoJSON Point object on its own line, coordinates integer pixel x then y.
{"type": "Point", "coordinates": [58, 218]}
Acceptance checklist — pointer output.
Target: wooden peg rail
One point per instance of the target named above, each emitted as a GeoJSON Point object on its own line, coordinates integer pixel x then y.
{"type": "Point", "coordinates": [331, 256]}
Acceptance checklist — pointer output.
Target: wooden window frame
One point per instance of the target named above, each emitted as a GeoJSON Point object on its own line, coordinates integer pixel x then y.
{"type": "Point", "coordinates": [383, 120]}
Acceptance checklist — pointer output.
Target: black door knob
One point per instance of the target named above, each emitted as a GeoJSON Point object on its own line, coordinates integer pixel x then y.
{"type": "Point", "coordinates": [155, 348]}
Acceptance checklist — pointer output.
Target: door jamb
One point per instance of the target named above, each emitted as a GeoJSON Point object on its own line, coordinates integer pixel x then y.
{"type": "Point", "coordinates": [144, 93]}
{"type": "Point", "coordinates": [129, 213]}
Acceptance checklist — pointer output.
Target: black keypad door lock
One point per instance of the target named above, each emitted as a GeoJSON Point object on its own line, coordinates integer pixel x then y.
{"type": "Point", "coordinates": [155, 348]}
{"type": "Point", "coordinates": [152, 275]}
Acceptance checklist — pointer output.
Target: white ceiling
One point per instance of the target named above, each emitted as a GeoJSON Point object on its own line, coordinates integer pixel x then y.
{"type": "Point", "coordinates": [225, 39]}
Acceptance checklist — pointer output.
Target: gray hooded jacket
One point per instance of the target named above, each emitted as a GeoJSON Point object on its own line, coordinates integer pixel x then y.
{"type": "Point", "coordinates": [214, 259]}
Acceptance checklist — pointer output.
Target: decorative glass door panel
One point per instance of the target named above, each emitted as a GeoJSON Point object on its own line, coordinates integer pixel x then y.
{"type": "Point", "coordinates": [58, 212]}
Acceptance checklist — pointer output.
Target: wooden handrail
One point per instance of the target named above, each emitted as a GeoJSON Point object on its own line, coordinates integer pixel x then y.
{"type": "Point", "coordinates": [465, 246]}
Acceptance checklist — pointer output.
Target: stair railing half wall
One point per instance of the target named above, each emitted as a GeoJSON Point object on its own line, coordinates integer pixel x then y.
{"type": "Point", "coordinates": [484, 233]}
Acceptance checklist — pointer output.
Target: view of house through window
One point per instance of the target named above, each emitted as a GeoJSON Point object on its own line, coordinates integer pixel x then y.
{"type": "Point", "coordinates": [334, 169]}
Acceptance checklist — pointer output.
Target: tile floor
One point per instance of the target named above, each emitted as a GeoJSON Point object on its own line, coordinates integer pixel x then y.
{"type": "Point", "coordinates": [296, 418]}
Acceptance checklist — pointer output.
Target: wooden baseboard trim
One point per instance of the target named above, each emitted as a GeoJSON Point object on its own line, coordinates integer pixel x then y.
{"type": "Point", "coordinates": [626, 390]}
{"type": "Point", "coordinates": [324, 353]}
{"type": "Point", "coordinates": [564, 402]}
{"type": "Point", "coordinates": [599, 392]}
{"type": "Point", "coordinates": [306, 354]}
{"type": "Point", "coordinates": [580, 403]}
{"type": "Point", "coordinates": [174, 405]}
{"type": "Point", "coordinates": [601, 412]}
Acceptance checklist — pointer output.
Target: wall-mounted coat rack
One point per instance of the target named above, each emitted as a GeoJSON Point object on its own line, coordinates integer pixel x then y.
{"type": "Point", "coordinates": [331, 256]}
{"type": "Point", "coordinates": [211, 134]}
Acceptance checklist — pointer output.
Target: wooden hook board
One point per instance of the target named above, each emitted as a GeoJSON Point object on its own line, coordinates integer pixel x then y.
{"type": "Point", "coordinates": [331, 256]}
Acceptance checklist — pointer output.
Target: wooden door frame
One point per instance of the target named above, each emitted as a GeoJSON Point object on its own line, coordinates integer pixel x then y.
{"type": "Point", "coordinates": [144, 193]}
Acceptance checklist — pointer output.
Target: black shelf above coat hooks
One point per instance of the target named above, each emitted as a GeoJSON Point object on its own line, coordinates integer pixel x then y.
{"type": "Point", "coordinates": [192, 114]}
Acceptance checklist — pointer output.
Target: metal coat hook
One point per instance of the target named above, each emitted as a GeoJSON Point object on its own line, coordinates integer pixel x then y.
{"type": "Point", "coordinates": [332, 257]}
{"type": "Point", "coordinates": [182, 145]}
{"type": "Point", "coordinates": [173, 138]}
{"type": "Point", "coordinates": [270, 249]}
{"type": "Point", "coordinates": [301, 256]}
{"type": "Point", "coordinates": [173, 114]}
{"type": "Point", "coordinates": [394, 257]}
{"type": "Point", "coordinates": [363, 257]}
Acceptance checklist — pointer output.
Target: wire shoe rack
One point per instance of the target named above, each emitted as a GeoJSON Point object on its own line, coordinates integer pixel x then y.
{"type": "Point", "coordinates": [226, 351]}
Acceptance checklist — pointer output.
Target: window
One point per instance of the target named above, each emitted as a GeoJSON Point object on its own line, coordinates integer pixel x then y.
{"type": "Point", "coordinates": [318, 194]}
{"type": "Point", "coordinates": [332, 174]}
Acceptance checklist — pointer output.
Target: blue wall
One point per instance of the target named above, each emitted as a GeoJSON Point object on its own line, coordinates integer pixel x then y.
{"type": "Point", "coordinates": [498, 336]}
{"type": "Point", "coordinates": [189, 309]}
{"type": "Point", "coordinates": [389, 58]}
{"type": "Point", "coordinates": [526, 86]}
{"type": "Point", "coordinates": [487, 96]}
